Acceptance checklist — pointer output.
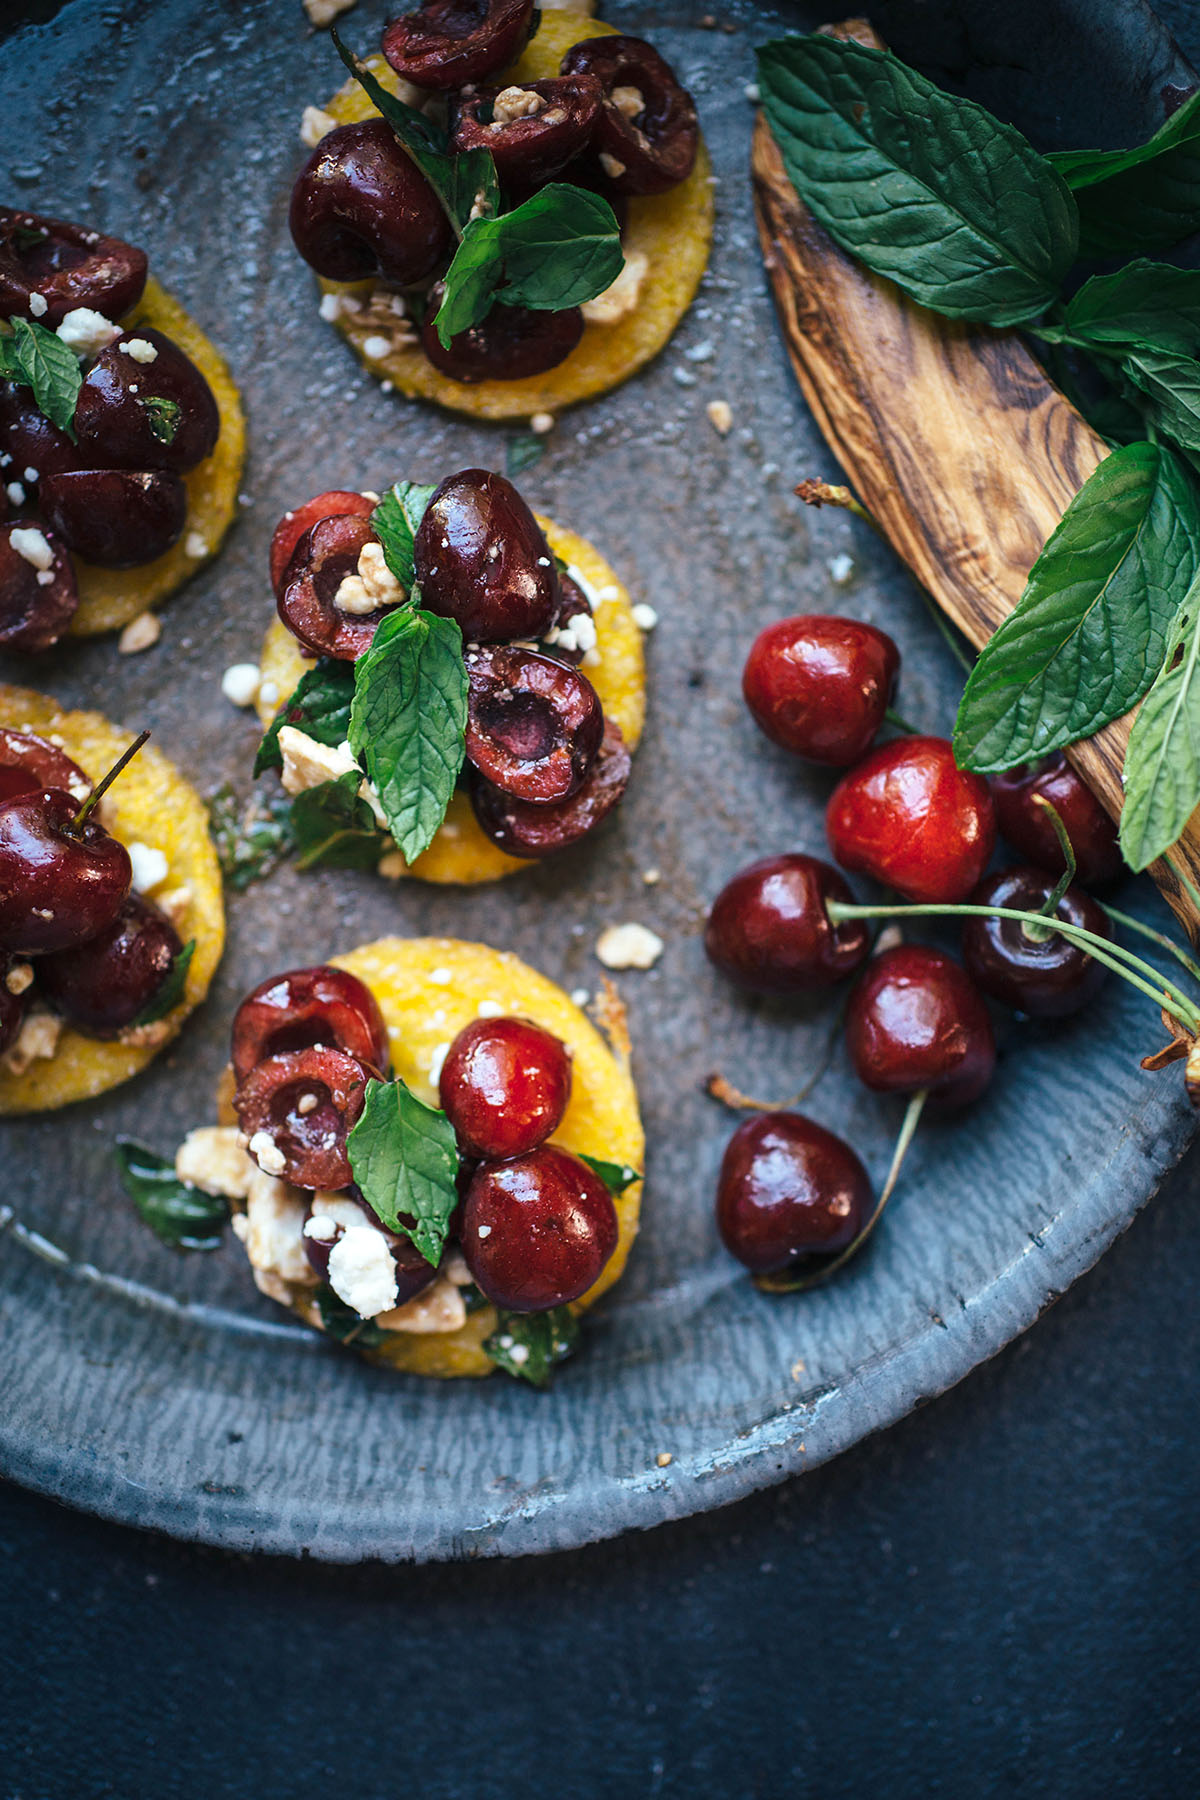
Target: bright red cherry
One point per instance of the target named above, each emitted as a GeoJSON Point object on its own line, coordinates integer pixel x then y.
{"type": "Point", "coordinates": [306, 1008]}
{"type": "Point", "coordinates": [504, 1087]}
{"type": "Point", "coordinates": [908, 816]}
{"type": "Point", "coordinates": [60, 883]}
{"type": "Point", "coordinates": [789, 1189]}
{"type": "Point", "coordinates": [537, 1231]}
{"type": "Point", "coordinates": [297, 1111]}
{"type": "Point", "coordinates": [293, 525]}
{"type": "Point", "coordinates": [820, 686]}
{"type": "Point", "coordinates": [768, 929]}
{"type": "Point", "coordinates": [1028, 829]}
{"type": "Point", "coordinates": [1048, 978]}
{"type": "Point", "coordinates": [914, 1022]}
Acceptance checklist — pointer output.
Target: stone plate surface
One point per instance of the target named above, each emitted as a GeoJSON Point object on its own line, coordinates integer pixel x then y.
{"type": "Point", "coordinates": [161, 1390]}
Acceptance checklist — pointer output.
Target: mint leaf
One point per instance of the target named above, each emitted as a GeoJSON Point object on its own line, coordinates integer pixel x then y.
{"type": "Point", "coordinates": [1162, 758]}
{"type": "Point", "coordinates": [559, 248]}
{"type": "Point", "coordinates": [522, 453]}
{"type": "Point", "coordinates": [333, 828]}
{"type": "Point", "coordinates": [408, 721]}
{"type": "Point", "coordinates": [250, 841]}
{"type": "Point", "coordinates": [38, 359]}
{"type": "Point", "coordinates": [528, 1345]}
{"type": "Point", "coordinates": [405, 1161]}
{"type": "Point", "coordinates": [1086, 638]}
{"type": "Point", "coordinates": [164, 417]}
{"type": "Point", "coordinates": [927, 189]}
{"type": "Point", "coordinates": [395, 522]}
{"type": "Point", "coordinates": [318, 705]}
{"type": "Point", "coordinates": [1150, 304]}
{"type": "Point", "coordinates": [1139, 199]}
{"type": "Point", "coordinates": [1171, 384]}
{"type": "Point", "coordinates": [344, 1324]}
{"type": "Point", "coordinates": [181, 1216]}
{"type": "Point", "coordinates": [615, 1176]}
{"type": "Point", "coordinates": [171, 992]}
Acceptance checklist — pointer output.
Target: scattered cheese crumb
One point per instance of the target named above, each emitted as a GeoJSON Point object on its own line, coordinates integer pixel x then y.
{"type": "Point", "coordinates": [321, 1227]}
{"type": "Point", "coordinates": [141, 633]}
{"type": "Point", "coordinates": [267, 1154]}
{"type": "Point", "coordinates": [840, 569]}
{"type": "Point", "coordinates": [141, 350]}
{"type": "Point", "coordinates": [87, 332]}
{"type": "Point", "coordinates": [752, 93]}
{"type": "Point", "coordinates": [652, 877]}
{"type": "Point", "coordinates": [621, 295]}
{"type": "Point", "coordinates": [273, 1233]}
{"type": "Point", "coordinates": [720, 416]}
{"type": "Point", "coordinates": [361, 1271]}
{"type": "Point", "coordinates": [16, 493]}
{"type": "Point", "coordinates": [441, 977]}
{"type": "Point", "coordinates": [36, 1041]}
{"type": "Point", "coordinates": [628, 101]}
{"type": "Point", "coordinates": [392, 867]}
{"type": "Point", "coordinates": [330, 307]}
{"type": "Point", "coordinates": [268, 693]}
{"type": "Point", "coordinates": [437, 1308]}
{"type": "Point", "coordinates": [436, 1060]}
{"type": "Point", "coordinates": [629, 946]}
{"type": "Point", "coordinates": [612, 168]}
{"type": "Point", "coordinates": [580, 996]}
{"type": "Point", "coordinates": [195, 545]}
{"type": "Point", "coordinates": [324, 12]}
{"type": "Point", "coordinates": [644, 617]}
{"type": "Point", "coordinates": [374, 586]}
{"type": "Point", "coordinates": [32, 545]}
{"type": "Point", "coordinates": [150, 867]}
{"type": "Point", "coordinates": [19, 978]}
{"type": "Point", "coordinates": [212, 1158]}
{"type": "Point", "coordinates": [542, 422]}
{"type": "Point", "coordinates": [700, 352]}
{"type": "Point", "coordinates": [39, 306]}
{"type": "Point", "coordinates": [315, 124]}
{"type": "Point", "coordinates": [306, 763]}
{"type": "Point", "coordinates": [376, 348]}
{"type": "Point", "coordinates": [664, 1459]}
{"type": "Point", "coordinates": [490, 1009]}
{"type": "Point", "coordinates": [240, 683]}
{"type": "Point", "coordinates": [513, 103]}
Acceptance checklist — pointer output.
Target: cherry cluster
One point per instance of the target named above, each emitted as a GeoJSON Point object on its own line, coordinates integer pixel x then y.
{"type": "Point", "coordinates": [916, 1022]}
{"type": "Point", "coordinates": [109, 490]}
{"type": "Point", "coordinates": [614, 120]}
{"type": "Point", "coordinates": [535, 1225]}
{"type": "Point", "coordinates": [544, 765]}
{"type": "Point", "coordinates": [73, 935]}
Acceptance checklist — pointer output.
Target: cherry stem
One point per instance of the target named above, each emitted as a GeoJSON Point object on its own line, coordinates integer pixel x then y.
{"type": "Point", "coordinates": [102, 786]}
{"type": "Point", "coordinates": [1158, 937]}
{"type": "Point", "coordinates": [1049, 910]}
{"type": "Point", "coordinates": [815, 492]}
{"type": "Point", "coordinates": [737, 1101]}
{"type": "Point", "coordinates": [1113, 956]}
{"type": "Point", "coordinates": [1185, 881]}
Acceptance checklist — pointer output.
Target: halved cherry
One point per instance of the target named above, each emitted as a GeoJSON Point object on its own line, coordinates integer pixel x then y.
{"type": "Point", "coordinates": [297, 1111]}
{"type": "Point", "coordinates": [117, 518]}
{"type": "Point", "coordinates": [67, 265]}
{"type": "Point", "coordinates": [528, 830]}
{"type": "Point", "coordinates": [293, 525]}
{"type": "Point", "coordinates": [137, 414]}
{"type": "Point", "coordinates": [307, 1008]}
{"type": "Point", "coordinates": [534, 725]}
{"type": "Point", "coordinates": [38, 594]}
{"type": "Point", "coordinates": [35, 446]}
{"type": "Point", "coordinates": [362, 207]}
{"type": "Point", "coordinates": [321, 561]}
{"type": "Point", "coordinates": [531, 131]}
{"type": "Point", "coordinates": [646, 132]}
{"type": "Point", "coordinates": [447, 43]}
{"type": "Point", "coordinates": [102, 986]}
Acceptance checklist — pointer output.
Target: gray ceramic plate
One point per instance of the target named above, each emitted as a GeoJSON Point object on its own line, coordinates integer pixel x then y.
{"type": "Point", "coordinates": [162, 1391]}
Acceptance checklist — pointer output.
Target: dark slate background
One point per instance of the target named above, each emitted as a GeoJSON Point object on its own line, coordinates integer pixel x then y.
{"type": "Point", "coordinates": [998, 1598]}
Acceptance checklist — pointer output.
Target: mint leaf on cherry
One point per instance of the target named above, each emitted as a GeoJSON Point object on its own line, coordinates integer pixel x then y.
{"type": "Point", "coordinates": [405, 1161]}
{"type": "Point", "coordinates": [172, 990]}
{"type": "Point", "coordinates": [395, 521]}
{"type": "Point", "coordinates": [38, 359]}
{"type": "Point", "coordinates": [615, 1176]}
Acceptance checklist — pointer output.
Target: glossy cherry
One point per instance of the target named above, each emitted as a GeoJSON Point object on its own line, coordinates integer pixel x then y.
{"type": "Point", "coordinates": [646, 133]}
{"type": "Point", "coordinates": [528, 830]}
{"type": "Point", "coordinates": [117, 518]}
{"type": "Point", "coordinates": [138, 414]}
{"type": "Point", "coordinates": [104, 985]}
{"type": "Point", "coordinates": [915, 1022]}
{"type": "Point", "coordinates": [34, 445]}
{"type": "Point", "coordinates": [413, 1273]}
{"type": "Point", "coordinates": [789, 1189]}
{"type": "Point", "coordinates": [13, 1000]}
{"type": "Point", "coordinates": [537, 1231]}
{"type": "Point", "coordinates": [768, 929]}
{"type": "Point", "coordinates": [293, 525]}
{"type": "Point", "coordinates": [908, 816]}
{"type": "Point", "coordinates": [510, 344]}
{"type": "Point", "coordinates": [820, 686]}
{"type": "Point", "coordinates": [361, 207]}
{"type": "Point", "coordinates": [29, 762]}
{"type": "Point", "coordinates": [60, 883]}
{"type": "Point", "coordinates": [448, 43]}
{"type": "Point", "coordinates": [306, 1103]}
{"type": "Point", "coordinates": [1028, 828]}
{"type": "Point", "coordinates": [504, 1086]}
{"type": "Point", "coordinates": [321, 561]}
{"type": "Point", "coordinates": [480, 557]}
{"type": "Point", "coordinates": [306, 1008]}
{"type": "Point", "coordinates": [1048, 978]}
{"type": "Point", "coordinates": [36, 604]}
{"type": "Point", "coordinates": [531, 131]}
{"type": "Point", "coordinates": [68, 265]}
{"type": "Point", "coordinates": [534, 725]}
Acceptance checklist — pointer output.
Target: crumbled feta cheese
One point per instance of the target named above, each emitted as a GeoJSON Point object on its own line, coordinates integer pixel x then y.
{"type": "Point", "coordinates": [621, 295]}
{"type": "Point", "coordinates": [141, 350]}
{"type": "Point", "coordinates": [176, 905]}
{"type": "Point", "coordinates": [611, 166]}
{"type": "Point", "coordinates": [651, 877]}
{"type": "Point", "coordinates": [541, 423]}
{"type": "Point", "coordinates": [579, 633]}
{"type": "Point", "coordinates": [306, 763]}
{"type": "Point", "coordinates": [324, 12]}
{"type": "Point", "coordinates": [720, 416]}
{"type": "Point", "coordinates": [392, 866]}
{"type": "Point", "coordinates": [141, 633]}
{"type": "Point", "coordinates": [195, 545]}
{"type": "Point", "coordinates": [31, 475]}
{"type": "Point", "coordinates": [490, 1009]}
{"type": "Point", "coordinates": [513, 103]}
{"type": "Point", "coordinates": [267, 1154]}
{"type": "Point", "coordinates": [315, 124]}
{"type": "Point", "coordinates": [16, 493]}
{"type": "Point", "coordinates": [36, 1041]}
{"type": "Point", "coordinates": [214, 1159]}
{"type": "Point", "coordinates": [362, 1272]}
{"type": "Point", "coordinates": [87, 332]}
{"type": "Point", "coordinates": [683, 377]}
{"type": "Point", "coordinates": [644, 617]}
{"type": "Point", "coordinates": [629, 946]}
{"type": "Point", "coordinates": [437, 1308]}
{"type": "Point", "coordinates": [150, 867]}
{"type": "Point", "coordinates": [580, 996]}
{"type": "Point", "coordinates": [39, 306]}
{"type": "Point", "coordinates": [375, 348]}
{"type": "Point", "coordinates": [441, 977]}
{"type": "Point", "coordinates": [700, 352]}
{"type": "Point", "coordinates": [268, 693]}
{"type": "Point", "coordinates": [437, 1059]}
{"type": "Point", "coordinates": [19, 978]}
{"type": "Point", "coordinates": [330, 307]}
{"type": "Point", "coordinates": [273, 1232]}
{"type": "Point", "coordinates": [483, 1231]}
{"type": "Point", "coordinates": [455, 1269]}
{"type": "Point", "coordinates": [33, 546]}
{"type": "Point", "coordinates": [628, 101]}
{"type": "Point", "coordinates": [240, 683]}
{"type": "Point", "coordinates": [321, 1228]}
{"type": "Point", "coordinates": [752, 93]}
{"type": "Point", "coordinates": [374, 586]}
{"type": "Point", "coordinates": [840, 569]}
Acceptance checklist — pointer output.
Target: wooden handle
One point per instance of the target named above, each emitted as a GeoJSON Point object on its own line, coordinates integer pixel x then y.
{"type": "Point", "coordinates": [962, 451]}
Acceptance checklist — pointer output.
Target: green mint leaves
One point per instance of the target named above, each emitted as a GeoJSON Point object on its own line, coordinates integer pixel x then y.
{"type": "Point", "coordinates": [528, 1345]}
{"type": "Point", "coordinates": [164, 416]}
{"type": "Point", "coordinates": [182, 1217]}
{"type": "Point", "coordinates": [1140, 199]}
{"type": "Point", "coordinates": [171, 992]}
{"type": "Point", "coordinates": [405, 1161]}
{"type": "Point", "coordinates": [929, 190]}
{"type": "Point", "coordinates": [615, 1176]}
{"type": "Point", "coordinates": [395, 522]}
{"type": "Point", "coordinates": [334, 828]}
{"type": "Point", "coordinates": [38, 359]}
{"type": "Point", "coordinates": [1162, 762]}
{"type": "Point", "coordinates": [319, 705]}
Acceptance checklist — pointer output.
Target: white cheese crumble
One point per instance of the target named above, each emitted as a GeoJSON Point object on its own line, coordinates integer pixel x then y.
{"type": "Point", "coordinates": [621, 295]}
{"type": "Point", "coordinates": [306, 763]}
{"type": "Point", "coordinates": [195, 545]}
{"type": "Point", "coordinates": [374, 586]}
{"type": "Point", "coordinates": [150, 867]}
{"type": "Point", "coordinates": [644, 617]}
{"type": "Point", "coordinates": [32, 545]}
{"type": "Point", "coordinates": [361, 1271]}
{"type": "Point", "coordinates": [541, 423]}
{"type": "Point", "coordinates": [437, 1061]}
{"type": "Point", "coordinates": [16, 493]}
{"type": "Point", "coordinates": [36, 1041]}
{"type": "Point", "coordinates": [375, 348]}
{"type": "Point", "coordinates": [441, 977]}
{"type": "Point", "coordinates": [323, 12]}
{"type": "Point", "coordinates": [39, 306]}
{"type": "Point", "coordinates": [629, 946]}
{"type": "Point", "coordinates": [267, 1154]}
{"type": "Point", "coordinates": [611, 166]}
{"type": "Point", "coordinates": [213, 1158]}
{"type": "Point", "coordinates": [514, 103]}
{"type": "Point", "coordinates": [19, 978]}
{"type": "Point", "coordinates": [628, 101]}
{"type": "Point", "coordinates": [87, 332]}
{"type": "Point", "coordinates": [489, 1009]}
{"type": "Point", "coordinates": [330, 307]}
{"type": "Point", "coordinates": [437, 1308]}
{"type": "Point", "coordinates": [141, 633]}
{"type": "Point", "coordinates": [720, 417]}
{"type": "Point", "coordinates": [840, 569]}
{"type": "Point", "coordinates": [579, 633]}
{"type": "Point", "coordinates": [272, 1231]}
{"type": "Point", "coordinates": [141, 350]}
{"type": "Point", "coordinates": [580, 996]}
{"type": "Point", "coordinates": [316, 123]}
{"type": "Point", "coordinates": [240, 683]}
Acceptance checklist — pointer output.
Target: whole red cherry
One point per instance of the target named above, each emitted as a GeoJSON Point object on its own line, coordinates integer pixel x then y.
{"type": "Point", "coordinates": [908, 816]}
{"type": "Point", "coordinates": [504, 1086]}
{"type": "Point", "coordinates": [789, 1189]}
{"type": "Point", "coordinates": [537, 1231]}
{"type": "Point", "coordinates": [480, 557]}
{"type": "Point", "coordinates": [1047, 977]}
{"type": "Point", "coordinates": [915, 1021]}
{"type": "Point", "coordinates": [768, 929]}
{"type": "Point", "coordinates": [820, 686]}
{"type": "Point", "coordinates": [510, 344]}
{"type": "Point", "coordinates": [361, 207]}
{"type": "Point", "coordinates": [60, 883]}
{"type": "Point", "coordinates": [1027, 825]}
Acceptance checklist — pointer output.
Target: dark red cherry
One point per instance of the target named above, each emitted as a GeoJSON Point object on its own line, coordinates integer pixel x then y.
{"type": "Point", "coordinates": [321, 561]}
{"type": "Point", "coordinates": [59, 884]}
{"type": "Point", "coordinates": [306, 1008]}
{"type": "Point", "coordinates": [68, 265]}
{"type": "Point", "coordinates": [789, 1189]}
{"type": "Point", "coordinates": [532, 131]}
{"type": "Point", "coordinates": [504, 1086]}
{"type": "Point", "coordinates": [1048, 978]}
{"type": "Point", "coordinates": [909, 817]}
{"type": "Point", "coordinates": [573, 604]}
{"type": "Point", "coordinates": [34, 446]}
{"type": "Point", "coordinates": [38, 595]}
{"type": "Point", "coordinates": [301, 1107]}
{"type": "Point", "coordinates": [134, 413]}
{"type": "Point", "coordinates": [1028, 829]}
{"type": "Point", "coordinates": [15, 983]}
{"type": "Point", "coordinates": [293, 525]}
{"type": "Point", "coordinates": [413, 1273]}
{"type": "Point", "coordinates": [28, 763]}
{"type": "Point", "coordinates": [510, 344]}
{"type": "Point", "coordinates": [361, 207]}
{"type": "Point", "coordinates": [915, 1021]}
{"type": "Point", "coordinates": [768, 929]}
{"type": "Point", "coordinates": [646, 133]}
{"type": "Point", "coordinates": [537, 1231]}
{"type": "Point", "coordinates": [534, 725]}
{"type": "Point", "coordinates": [524, 829]}
{"type": "Point", "coordinates": [447, 43]}
{"type": "Point", "coordinates": [115, 517]}
{"type": "Point", "coordinates": [104, 985]}
{"type": "Point", "coordinates": [820, 686]}
{"type": "Point", "coordinates": [480, 557]}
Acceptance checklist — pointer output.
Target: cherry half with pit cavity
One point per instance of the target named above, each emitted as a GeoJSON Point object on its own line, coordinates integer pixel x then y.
{"type": "Point", "coordinates": [909, 817]}
{"type": "Point", "coordinates": [104, 985]}
{"type": "Point", "coordinates": [646, 132]}
{"type": "Point", "coordinates": [534, 725]}
{"type": "Point", "coordinates": [531, 131]}
{"type": "Point", "coordinates": [525, 829]}
{"type": "Point", "coordinates": [448, 43]}
{"type": "Point", "coordinates": [361, 207]}
{"type": "Point", "coordinates": [1028, 828]}
{"type": "Point", "coordinates": [293, 525]}
{"type": "Point", "coordinates": [537, 1231]}
{"type": "Point", "coordinates": [820, 686]}
{"type": "Point", "coordinates": [788, 1190]}
{"type": "Point", "coordinates": [68, 265]}
{"type": "Point", "coordinates": [1035, 970]}
{"type": "Point", "coordinates": [303, 1009]}
{"type": "Point", "coordinates": [301, 1107]}
{"type": "Point", "coordinates": [480, 558]}
{"type": "Point", "coordinates": [916, 1023]}
{"type": "Point", "coordinates": [769, 932]}
{"type": "Point", "coordinates": [504, 1087]}
{"type": "Point", "coordinates": [322, 559]}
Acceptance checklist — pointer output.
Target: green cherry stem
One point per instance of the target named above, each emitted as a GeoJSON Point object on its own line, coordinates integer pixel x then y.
{"type": "Point", "coordinates": [1157, 937]}
{"type": "Point", "coordinates": [1054, 899]}
{"type": "Point", "coordinates": [102, 786]}
{"type": "Point", "coordinates": [898, 724]}
{"type": "Point", "coordinates": [1185, 881]}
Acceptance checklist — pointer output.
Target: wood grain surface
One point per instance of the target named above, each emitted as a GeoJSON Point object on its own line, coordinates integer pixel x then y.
{"type": "Point", "coordinates": [952, 437]}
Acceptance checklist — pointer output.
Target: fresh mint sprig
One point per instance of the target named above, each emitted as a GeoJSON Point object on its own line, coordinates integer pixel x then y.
{"type": "Point", "coordinates": [181, 1216]}
{"type": "Point", "coordinates": [38, 359]}
{"type": "Point", "coordinates": [404, 1156]}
